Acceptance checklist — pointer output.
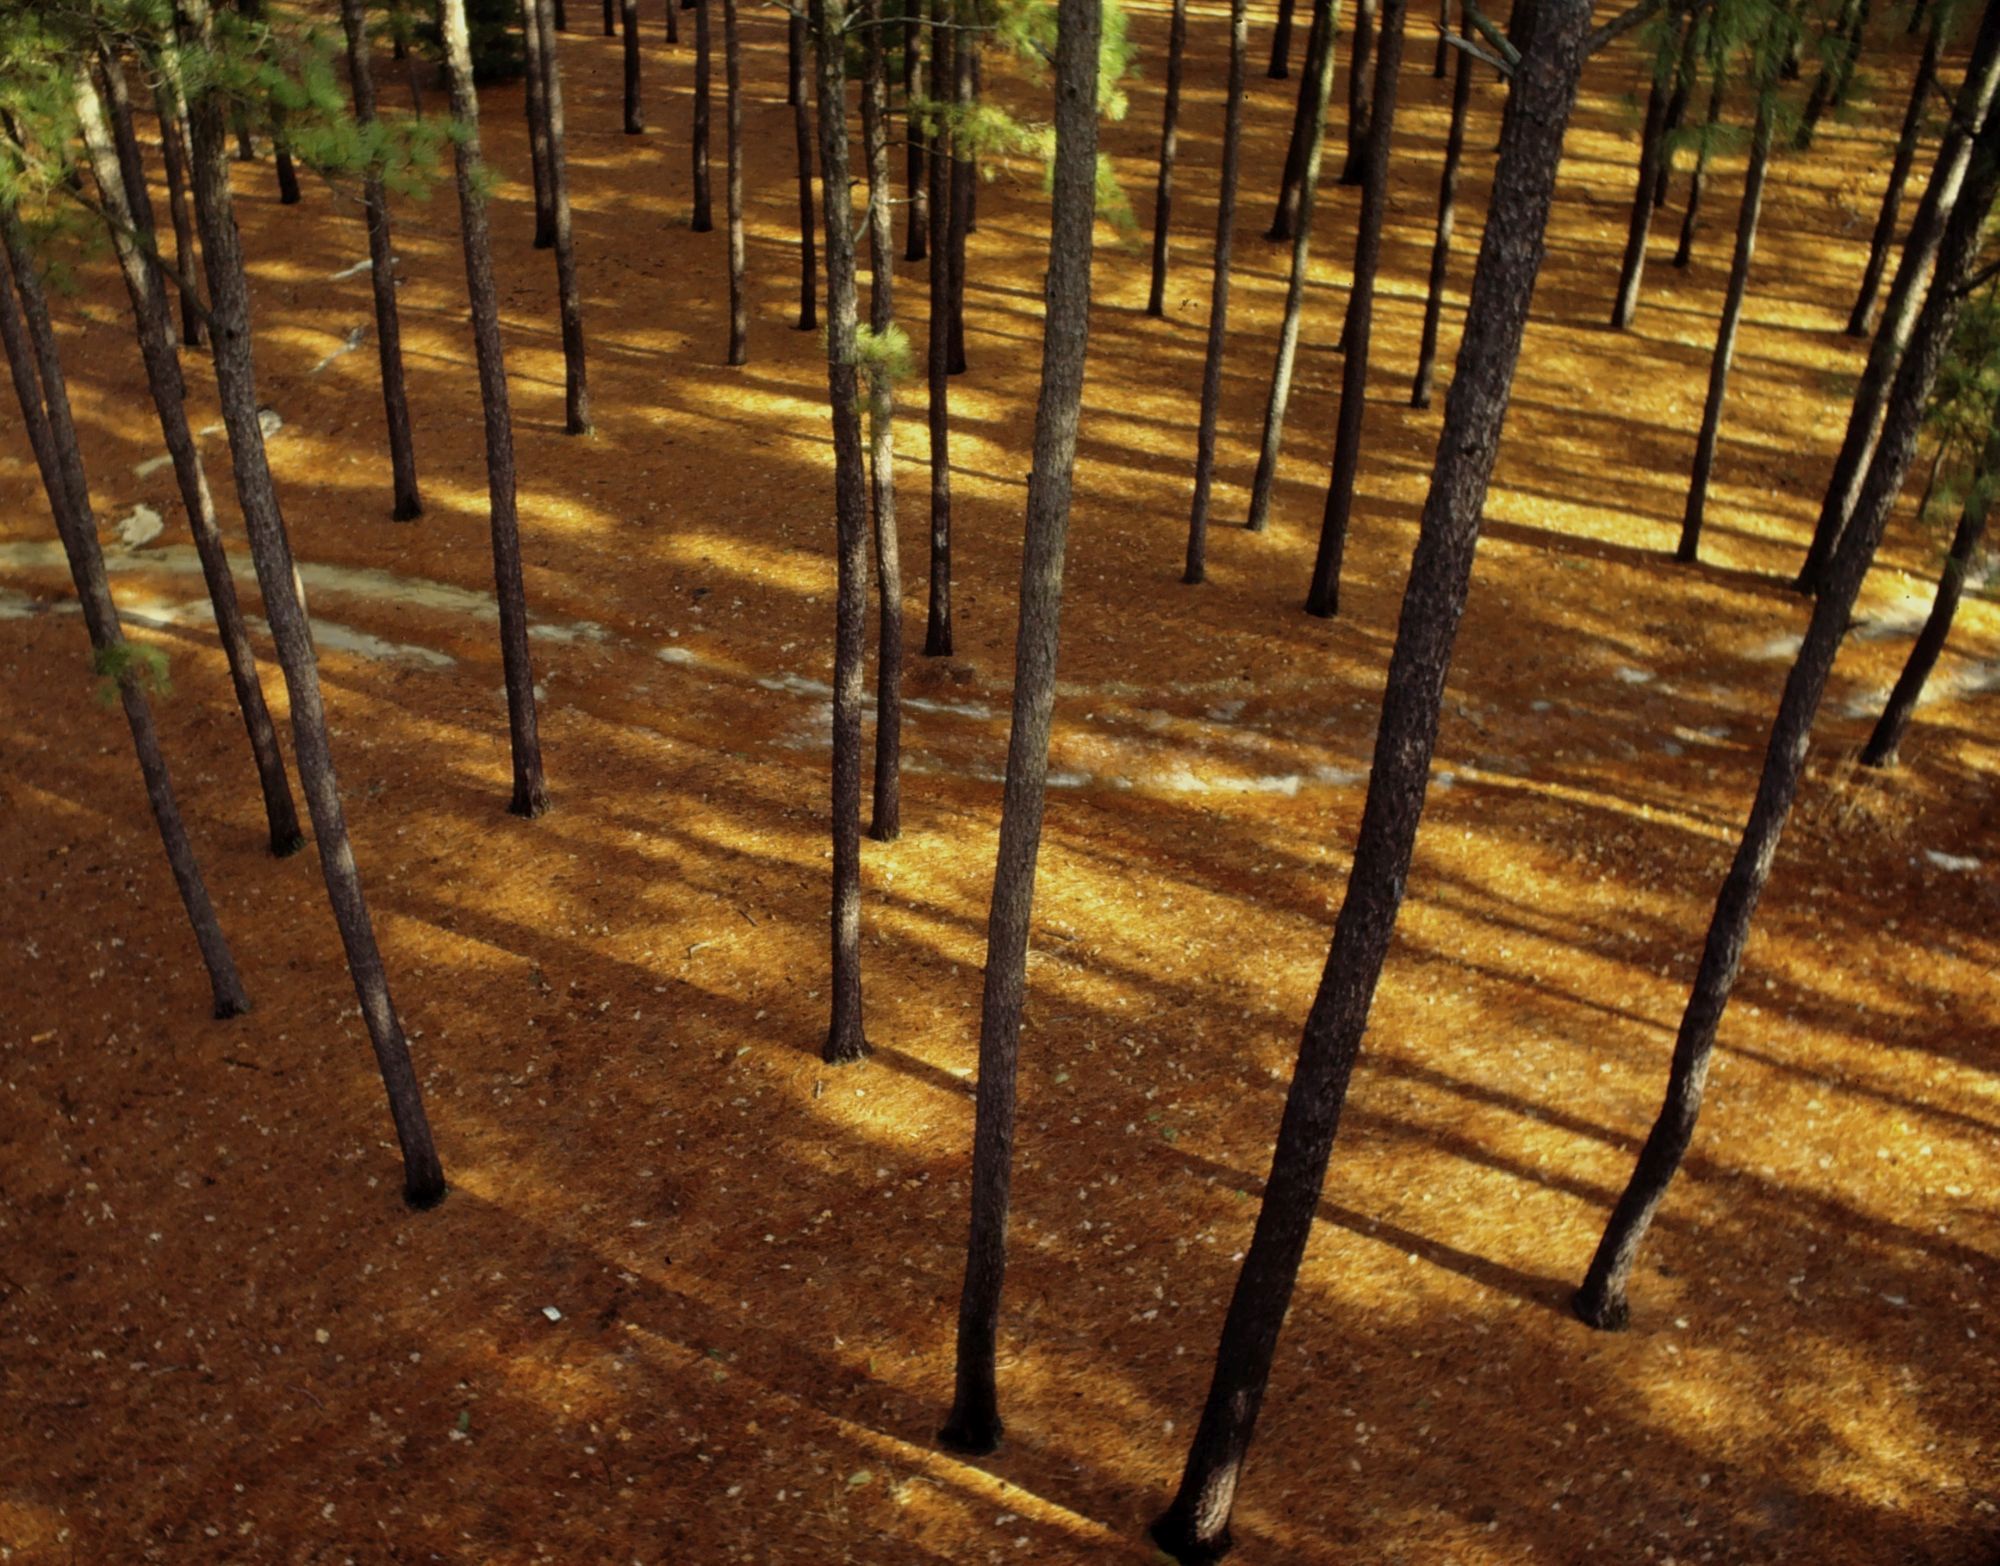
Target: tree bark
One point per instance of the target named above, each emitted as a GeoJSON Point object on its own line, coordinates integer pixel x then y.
{"type": "Point", "coordinates": [937, 627]}
{"type": "Point", "coordinates": [886, 816]}
{"type": "Point", "coordinates": [803, 133]}
{"type": "Point", "coordinates": [131, 165]}
{"type": "Point", "coordinates": [173, 152]}
{"type": "Point", "coordinates": [1454, 151]}
{"type": "Point", "coordinates": [1698, 180]}
{"type": "Point", "coordinates": [732, 81]}
{"type": "Point", "coordinates": [1677, 101]}
{"type": "Point", "coordinates": [270, 549]}
{"type": "Point", "coordinates": [1830, 88]}
{"type": "Point", "coordinates": [1164, 192]}
{"type": "Point", "coordinates": [1899, 309]}
{"type": "Point", "coordinates": [530, 796]}
{"type": "Point", "coordinates": [846, 1039]}
{"type": "Point", "coordinates": [1318, 83]}
{"type": "Point", "coordinates": [1196, 1526]}
{"type": "Point", "coordinates": [702, 222]}
{"type": "Point", "coordinates": [974, 1423]}
{"type": "Point", "coordinates": [538, 133]}
{"type": "Point", "coordinates": [673, 9]}
{"type": "Point", "coordinates": [915, 90]}
{"type": "Point", "coordinates": [962, 175]}
{"type": "Point", "coordinates": [635, 111]}
{"type": "Point", "coordinates": [1652, 142]}
{"type": "Point", "coordinates": [1281, 44]}
{"type": "Point", "coordinates": [45, 412]}
{"type": "Point", "coordinates": [407, 504]}
{"type": "Point", "coordinates": [569, 289]}
{"type": "Point", "coordinates": [1284, 221]}
{"type": "Point", "coordinates": [1359, 110]}
{"type": "Point", "coordinates": [1602, 1301]}
{"type": "Point", "coordinates": [1323, 597]}
{"type": "Point", "coordinates": [1861, 320]}
{"type": "Point", "coordinates": [611, 18]}
{"type": "Point", "coordinates": [1218, 297]}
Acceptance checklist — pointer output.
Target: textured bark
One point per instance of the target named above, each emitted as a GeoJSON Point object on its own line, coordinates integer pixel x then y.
{"type": "Point", "coordinates": [1285, 219]}
{"type": "Point", "coordinates": [1360, 110]}
{"type": "Point", "coordinates": [635, 109]}
{"type": "Point", "coordinates": [163, 381]}
{"type": "Point", "coordinates": [45, 412]}
{"type": "Point", "coordinates": [1602, 1301]}
{"type": "Point", "coordinates": [538, 132]}
{"type": "Point", "coordinates": [885, 822]}
{"type": "Point", "coordinates": [530, 796]}
{"type": "Point", "coordinates": [270, 549]}
{"type": "Point", "coordinates": [1698, 180]}
{"type": "Point", "coordinates": [846, 1039]}
{"type": "Point", "coordinates": [702, 221]}
{"type": "Point", "coordinates": [1323, 597]}
{"type": "Point", "coordinates": [1652, 144]}
{"type": "Point", "coordinates": [974, 1422]}
{"type": "Point", "coordinates": [937, 362]}
{"type": "Point", "coordinates": [962, 176]}
{"type": "Point", "coordinates": [1281, 44]}
{"type": "Point", "coordinates": [1163, 195]}
{"type": "Point", "coordinates": [173, 153]}
{"type": "Point", "coordinates": [1454, 152]}
{"type": "Point", "coordinates": [1196, 1526]}
{"type": "Point", "coordinates": [1899, 309]}
{"type": "Point", "coordinates": [803, 133]}
{"type": "Point", "coordinates": [1218, 296]}
{"type": "Point", "coordinates": [732, 84]}
{"type": "Point", "coordinates": [1318, 84]}
{"type": "Point", "coordinates": [131, 165]}
{"type": "Point", "coordinates": [1861, 320]}
{"type": "Point", "coordinates": [406, 504]}
{"type": "Point", "coordinates": [1887, 739]}
{"type": "Point", "coordinates": [915, 90]}
{"type": "Point", "coordinates": [1732, 317]}
{"type": "Point", "coordinates": [569, 290]}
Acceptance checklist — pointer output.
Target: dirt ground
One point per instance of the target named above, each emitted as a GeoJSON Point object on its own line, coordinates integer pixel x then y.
{"type": "Point", "coordinates": [692, 1296]}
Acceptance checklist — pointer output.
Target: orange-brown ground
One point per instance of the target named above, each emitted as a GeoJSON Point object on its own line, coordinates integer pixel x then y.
{"type": "Point", "coordinates": [227, 1341]}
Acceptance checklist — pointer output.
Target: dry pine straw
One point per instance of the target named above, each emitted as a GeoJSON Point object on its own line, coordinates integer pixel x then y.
{"type": "Point", "coordinates": [227, 1340]}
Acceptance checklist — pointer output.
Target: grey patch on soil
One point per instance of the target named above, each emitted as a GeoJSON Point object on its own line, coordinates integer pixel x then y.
{"type": "Point", "coordinates": [139, 528]}
{"type": "Point", "coordinates": [1954, 862]}
{"type": "Point", "coordinates": [355, 337]}
{"type": "Point", "coordinates": [365, 264]}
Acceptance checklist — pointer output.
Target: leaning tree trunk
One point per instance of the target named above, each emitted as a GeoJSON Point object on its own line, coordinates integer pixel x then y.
{"type": "Point", "coordinates": [937, 362]}
{"type": "Point", "coordinates": [1652, 145]}
{"type": "Point", "coordinates": [802, 133]}
{"type": "Point", "coordinates": [1284, 221]}
{"type": "Point", "coordinates": [407, 505]}
{"type": "Point", "coordinates": [1887, 738]}
{"type": "Point", "coordinates": [1196, 1526]}
{"type": "Point", "coordinates": [1359, 110]}
{"type": "Point", "coordinates": [846, 1040]}
{"type": "Point", "coordinates": [732, 82]}
{"type": "Point", "coordinates": [915, 90]}
{"type": "Point", "coordinates": [1319, 83]}
{"type": "Point", "coordinates": [1323, 597]}
{"type": "Point", "coordinates": [531, 795]}
{"type": "Point", "coordinates": [635, 110]}
{"type": "Point", "coordinates": [885, 821]}
{"type": "Point", "coordinates": [1861, 320]}
{"type": "Point", "coordinates": [702, 221]}
{"type": "Point", "coordinates": [569, 291]}
{"type": "Point", "coordinates": [1732, 317]}
{"type": "Point", "coordinates": [1163, 197]}
{"type": "Point", "coordinates": [1899, 310]}
{"type": "Point", "coordinates": [1281, 44]}
{"type": "Point", "coordinates": [163, 380]}
{"type": "Point", "coordinates": [53, 436]}
{"type": "Point", "coordinates": [1830, 89]}
{"type": "Point", "coordinates": [974, 1423]}
{"type": "Point", "coordinates": [962, 176]}
{"type": "Point", "coordinates": [1218, 297]}
{"type": "Point", "coordinates": [1677, 101]}
{"type": "Point", "coordinates": [131, 165]}
{"type": "Point", "coordinates": [173, 152]}
{"type": "Point", "coordinates": [1698, 180]}
{"type": "Point", "coordinates": [1602, 1300]}
{"type": "Point", "coordinates": [1454, 151]}
{"type": "Point", "coordinates": [270, 548]}
{"type": "Point", "coordinates": [538, 133]}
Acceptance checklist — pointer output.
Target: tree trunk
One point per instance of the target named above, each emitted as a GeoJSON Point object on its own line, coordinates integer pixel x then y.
{"type": "Point", "coordinates": [1318, 83]}
{"type": "Point", "coordinates": [163, 380]}
{"type": "Point", "coordinates": [886, 818]}
{"type": "Point", "coordinates": [1359, 109]}
{"type": "Point", "coordinates": [1218, 298]}
{"type": "Point", "coordinates": [1164, 193]}
{"type": "Point", "coordinates": [611, 18]}
{"type": "Point", "coordinates": [673, 9]}
{"type": "Point", "coordinates": [1899, 309]}
{"type": "Point", "coordinates": [739, 305]}
{"type": "Point", "coordinates": [1284, 221]}
{"type": "Point", "coordinates": [1830, 88]}
{"type": "Point", "coordinates": [1652, 143]}
{"type": "Point", "coordinates": [538, 134]}
{"type": "Point", "coordinates": [914, 92]}
{"type": "Point", "coordinates": [531, 796]}
{"type": "Point", "coordinates": [131, 166]}
{"type": "Point", "coordinates": [1196, 1526]}
{"type": "Point", "coordinates": [1861, 320]}
{"type": "Point", "coordinates": [281, 160]}
{"type": "Point", "coordinates": [937, 628]}
{"type": "Point", "coordinates": [802, 131]}
{"type": "Point", "coordinates": [1281, 44]}
{"type": "Point", "coordinates": [569, 290]}
{"type": "Point", "coordinates": [1698, 180]}
{"type": "Point", "coordinates": [270, 548]}
{"type": "Point", "coordinates": [173, 151]}
{"type": "Point", "coordinates": [702, 221]}
{"type": "Point", "coordinates": [846, 1039]}
{"type": "Point", "coordinates": [407, 504]}
{"type": "Point", "coordinates": [1602, 1300]}
{"type": "Point", "coordinates": [635, 112]}
{"type": "Point", "coordinates": [1323, 597]}
{"type": "Point", "coordinates": [1887, 739]}
{"type": "Point", "coordinates": [1454, 151]}
{"type": "Point", "coordinates": [53, 437]}
{"type": "Point", "coordinates": [974, 1423]}
{"type": "Point", "coordinates": [962, 175]}
{"type": "Point", "coordinates": [1677, 101]}
{"type": "Point", "coordinates": [1732, 317]}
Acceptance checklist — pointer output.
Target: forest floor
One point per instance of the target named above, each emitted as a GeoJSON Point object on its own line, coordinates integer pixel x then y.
{"type": "Point", "coordinates": [692, 1295]}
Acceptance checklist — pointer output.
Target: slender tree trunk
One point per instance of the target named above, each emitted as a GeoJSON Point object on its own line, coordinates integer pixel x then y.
{"type": "Point", "coordinates": [1359, 110]}
{"type": "Point", "coordinates": [270, 548]}
{"type": "Point", "coordinates": [1652, 143]}
{"type": "Point", "coordinates": [974, 1423]}
{"type": "Point", "coordinates": [635, 112]}
{"type": "Point", "coordinates": [1218, 297]}
{"type": "Point", "coordinates": [1323, 598]}
{"type": "Point", "coordinates": [1677, 101]}
{"type": "Point", "coordinates": [530, 796]}
{"type": "Point", "coordinates": [1829, 90]}
{"type": "Point", "coordinates": [52, 434]}
{"type": "Point", "coordinates": [163, 380]}
{"type": "Point", "coordinates": [1284, 221]}
{"type": "Point", "coordinates": [846, 1039]}
{"type": "Point", "coordinates": [1196, 1526]}
{"type": "Point", "coordinates": [173, 151]}
{"type": "Point", "coordinates": [962, 175]}
{"type": "Point", "coordinates": [611, 18]}
{"type": "Point", "coordinates": [569, 290]}
{"type": "Point", "coordinates": [1281, 44]}
{"type": "Point", "coordinates": [407, 504]}
{"type": "Point", "coordinates": [915, 90]}
{"type": "Point", "coordinates": [1443, 40]}
{"type": "Point", "coordinates": [289, 194]}
{"type": "Point", "coordinates": [1169, 127]}
{"type": "Point", "coordinates": [802, 131]}
{"type": "Point", "coordinates": [1887, 738]}
{"type": "Point", "coordinates": [1732, 317]}
{"type": "Point", "coordinates": [673, 9]}
{"type": "Point", "coordinates": [131, 165]}
{"type": "Point", "coordinates": [739, 304]}
{"type": "Point", "coordinates": [1454, 151]}
{"type": "Point", "coordinates": [1899, 309]}
{"type": "Point", "coordinates": [538, 131]}
{"type": "Point", "coordinates": [1602, 1300]}
{"type": "Point", "coordinates": [937, 628]}
{"type": "Point", "coordinates": [1698, 180]}
{"type": "Point", "coordinates": [1861, 320]}
{"type": "Point", "coordinates": [702, 222]}
{"type": "Point", "coordinates": [1319, 82]}
{"type": "Point", "coordinates": [885, 821]}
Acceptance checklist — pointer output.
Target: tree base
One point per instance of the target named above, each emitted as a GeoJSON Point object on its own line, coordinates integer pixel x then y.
{"type": "Point", "coordinates": [1609, 1313]}
{"type": "Point", "coordinates": [1175, 1535]}
{"type": "Point", "coordinates": [407, 510]}
{"type": "Point", "coordinates": [529, 802]}
{"type": "Point", "coordinates": [702, 225]}
{"type": "Point", "coordinates": [972, 1435]}
{"type": "Point", "coordinates": [937, 645]}
{"type": "Point", "coordinates": [844, 1048]}
{"type": "Point", "coordinates": [227, 1006]}
{"type": "Point", "coordinates": [884, 831]}
{"type": "Point", "coordinates": [285, 847]}
{"type": "Point", "coordinates": [422, 1196]}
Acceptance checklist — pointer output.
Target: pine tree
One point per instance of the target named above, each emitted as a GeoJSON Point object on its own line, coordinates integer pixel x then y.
{"type": "Point", "coordinates": [1360, 109]}
{"type": "Point", "coordinates": [1454, 150]}
{"type": "Point", "coordinates": [1652, 151]}
{"type": "Point", "coordinates": [569, 291]}
{"type": "Point", "coordinates": [886, 816]}
{"type": "Point", "coordinates": [1169, 126]}
{"type": "Point", "coordinates": [538, 132]}
{"type": "Point", "coordinates": [803, 134]}
{"type": "Point", "coordinates": [1861, 320]}
{"type": "Point", "coordinates": [937, 360]}
{"type": "Point", "coordinates": [702, 221]}
{"type": "Point", "coordinates": [173, 153]}
{"type": "Point", "coordinates": [732, 71]}
{"type": "Point", "coordinates": [915, 91]}
{"type": "Point", "coordinates": [635, 112]}
{"type": "Point", "coordinates": [1698, 180]}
